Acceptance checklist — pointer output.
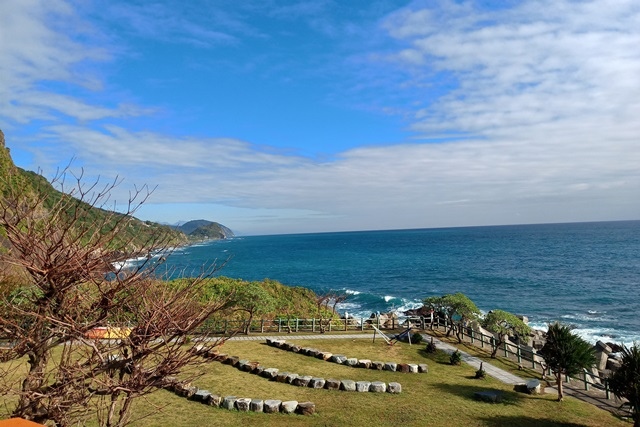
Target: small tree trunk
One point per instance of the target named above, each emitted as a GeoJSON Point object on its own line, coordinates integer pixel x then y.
{"type": "Point", "coordinates": [494, 351]}
{"type": "Point", "coordinates": [559, 384]}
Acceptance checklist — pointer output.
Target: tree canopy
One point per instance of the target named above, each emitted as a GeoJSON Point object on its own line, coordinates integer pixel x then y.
{"type": "Point", "coordinates": [502, 323]}
{"type": "Point", "coordinates": [566, 353]}
{"type": "Point", "coordinates": [457, 308]}
{"type": "Point", "coordinates": [625, 381]}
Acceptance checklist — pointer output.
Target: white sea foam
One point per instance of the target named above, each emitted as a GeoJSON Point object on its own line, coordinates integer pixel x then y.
{"type": "Point", "coordinates": [388, 298]}
{"type": "Point", "coordinates": [351, 292]}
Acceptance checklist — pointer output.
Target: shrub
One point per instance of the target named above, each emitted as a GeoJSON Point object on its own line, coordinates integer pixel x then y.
{"type": "Point", "coordinates": [416, 338]}
{"type": "Point", "coordinates": [481, 373]}
{"type": "Point", "coordinates": [455, 358]}
{"type": "Point", "coordinates": [431, 347]}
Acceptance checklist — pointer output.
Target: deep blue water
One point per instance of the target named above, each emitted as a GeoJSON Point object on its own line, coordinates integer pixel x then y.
{"type": "Point", "coordinates": [585, 274]}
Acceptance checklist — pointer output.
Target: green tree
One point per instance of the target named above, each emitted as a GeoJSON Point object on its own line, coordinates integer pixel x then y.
{"type": "Point", "coordinates": [566, 353]}
{"type": "Point", "coordinates": [253, 299]}
{"type": "Point", "coordinates": [502, 323]}
{"type": "Point", "coordinates": [625, 382]}
{"type": "Point", "coordinates": [457, 308]}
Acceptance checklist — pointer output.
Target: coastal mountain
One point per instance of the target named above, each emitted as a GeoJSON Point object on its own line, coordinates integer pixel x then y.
{"type": "Point", "coordinates": [137, 234]}
{"type": "Point", "coordinates": [201, 229]}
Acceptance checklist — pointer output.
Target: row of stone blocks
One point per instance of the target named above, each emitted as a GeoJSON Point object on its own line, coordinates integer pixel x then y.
{"type": "Point", "coordinates": [242, 404]}
{"type": "Point", "coordinates": [274, 374]}
{"type": "Point", "coordinates": [349, 361]}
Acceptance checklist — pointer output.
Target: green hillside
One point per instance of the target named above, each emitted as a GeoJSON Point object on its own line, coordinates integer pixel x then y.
{"type": "Point", "coordinates": [202, 229]}
{"type": "Point", "coordinates": [15, 181]}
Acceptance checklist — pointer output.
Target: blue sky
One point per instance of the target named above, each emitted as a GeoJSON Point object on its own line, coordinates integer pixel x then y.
{"type": "Point", "coordinates": [305, 116]}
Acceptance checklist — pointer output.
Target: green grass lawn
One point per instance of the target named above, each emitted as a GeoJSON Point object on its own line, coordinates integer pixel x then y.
{"type": "Point", "coordinates": [443, 397]}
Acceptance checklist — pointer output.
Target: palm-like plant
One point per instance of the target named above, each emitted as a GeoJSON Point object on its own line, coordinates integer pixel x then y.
{"type": "Point", "coordinates": [625, 382]}
{"type": "Point", "coordinates": [566, 354]}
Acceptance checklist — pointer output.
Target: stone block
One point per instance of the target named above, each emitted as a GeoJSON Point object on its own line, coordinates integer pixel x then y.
{"type": "Point", "coordinates": [269, 373]}
{"type": "Point", "coordinates": [313, 352]}
{"type": "Point", "coordinates": [200, 396]}
{"type": "Point", "coordinates": [348, 385]}
{"type": "Point", "coordinates": [302, 381]}
{"type": "Point", "coordinates": [351, 361]}
{"type": "Point", "coordinates": [241, 363]}
{"type": "Point", "coordinates": [288, 407]}
{"type": "Point", "coordinates": [316, 383]}
{"type": "Point", "coordinates": [377, 365]}
{"type": "Point", "coordinates": [325, 355]}
{"type": "Point", "coordinates": [338, 358]}
{"type": "Point", "coordinates": [332, 384]}
{"type": "Point", "coordinates": [232, 360]}
{"type": "Point", "coordinates": [306, 408]}
{"type": "Point", "coordinates": [242, 404]}
{"type": "Point", "coordinates": [214, 400]}
{"type": "Point", "coordinates": [394, 388]}
{"type": "Point", "coordinates": [423, 368]}
{"type": "Point", "coordinates": [402, 367]}
{"type": "Point", "coordinates": [378, 387]}
{"type": "Point", "coordinates": [290, 377]}
{"type": "Point", "coordinates": [229, 402]}
{"type": "Point", "coordinates": [364, 363]}
{"type": "Point", "coordinates": [296, 348]}
{"type": "Point", "coordinates": [390, 366]}
{"type": "Point", "coordinates": [258, 370]}
{"type": "Point", "coordinates": [413, 368]}
{"type": "Point", "coordinates": [488, 396]}
{"type": "Point", "coordinates": [256, 405]}
{"type": "Point", "coordinates": [362, 386]}
{"type": "Point", "coordinates": [272, 406]}
{"type": "Point", "coordinates": [281, 377]}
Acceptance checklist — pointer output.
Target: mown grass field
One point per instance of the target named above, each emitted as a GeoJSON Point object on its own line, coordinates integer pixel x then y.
{"type": "Point", "coordinates": [443, 397]}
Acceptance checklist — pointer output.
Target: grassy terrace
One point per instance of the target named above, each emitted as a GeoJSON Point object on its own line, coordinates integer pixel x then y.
{"type": "Point", "coordinates": [444, 396]}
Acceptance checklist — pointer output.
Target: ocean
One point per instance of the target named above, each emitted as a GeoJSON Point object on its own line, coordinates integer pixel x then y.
{"type": "Point", "coordinates": [583, 274]}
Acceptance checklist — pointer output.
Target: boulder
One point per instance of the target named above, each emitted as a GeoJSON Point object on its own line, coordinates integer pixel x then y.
{"type": "Point", "coordinates": [413, 368]}
{"type": "Point", "coordinates": [306, 408]}
{"type": "Point", "coordinates": [488, 396]}
{"type": "Point", "coordinates": [362, 386]}
{"type": "Point", "coordinates": [288, 407]}
{"type": "Point", "coordinates": [390, 366]}
{"type": "Point", "coordinates": [281, 377]}
{"type": "Point", "coordinates": [241, 363]}
{"type": "Point", "coordinates": [317, 383]}
{"type": "Point", "coordinates": [338, 358]}
{"type": "Point", "coordinates": [256, 405]}
{"type": "Point", "coordinates": [269, 373]}
{"type": "Point", "coordinates": [258, 370]}
{"type": "Point", "coordinates": [364, 363]}
{"type": "Point", "coordinates": [314, 352]}
{"type": "Point", "coordinates": [290, 378]}
{"type": "Point", "coordinates": [296, 348]}
{"type": "Point", "coordinates": [242, 404]}
{"type": "Point", "coordinates": [201, 396]}
{"type": "Point", "coordinates": [613, 364]}
{"type": "Point", "coordinates": [302, 381]}
{"type": "Point", "coordinates": [232, 360]}
{"type": "Point", "coordinates": [402, 367]}
{"type": "Point", "coordinates": [325, 355]}
{"type": "Point", "coordinates": [377, 365]}
{"type": "Point", "coordinates": [351, 361]}
{"type": "Point", "coordinates": [530, 387]}
{"type": "Point", "coordinates": [214, 400]}
{"type": "Point", "coordinates": [229, 402]}
{"type": "Point", "coordinates": [378, 387]}
{"type": "Point", "coordinates": [348, 385]}
{"type": "Point", "coordinates": [272, 406]}
{"type": "Point", "coordinates": [423, 368]}
{"type": "Point", "coordinates": [394, 388]}
{"type": "Point", "coordinates": [332, 384]}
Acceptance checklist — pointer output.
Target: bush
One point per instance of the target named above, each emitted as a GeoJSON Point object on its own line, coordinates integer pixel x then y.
{"type": "Point", "coordinates": [416, 338]}
{"type": "Point", "coordinates": [455, 358]}
{"type": "Point", "coordinates": [481, 373]}
{"type": "Point", "coordinates": [430, 348]}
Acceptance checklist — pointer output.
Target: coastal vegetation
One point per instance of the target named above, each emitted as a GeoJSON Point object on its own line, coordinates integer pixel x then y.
{"type": "Point", "coordinates": [504, 324]}
{"type": "Point", "coordinates": [625, 381]}
{"type": "Point", "coordinates": [457, 308]}
{"type": "Point", "coordinates": [566, 354]}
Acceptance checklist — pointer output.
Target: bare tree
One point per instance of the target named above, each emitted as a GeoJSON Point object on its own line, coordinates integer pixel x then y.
{"type": "Point", "coordinates": [60, 369]}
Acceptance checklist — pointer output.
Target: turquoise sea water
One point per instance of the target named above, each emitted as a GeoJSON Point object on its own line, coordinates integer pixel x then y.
{"type": "Point", "coordinates": [584, 274]}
